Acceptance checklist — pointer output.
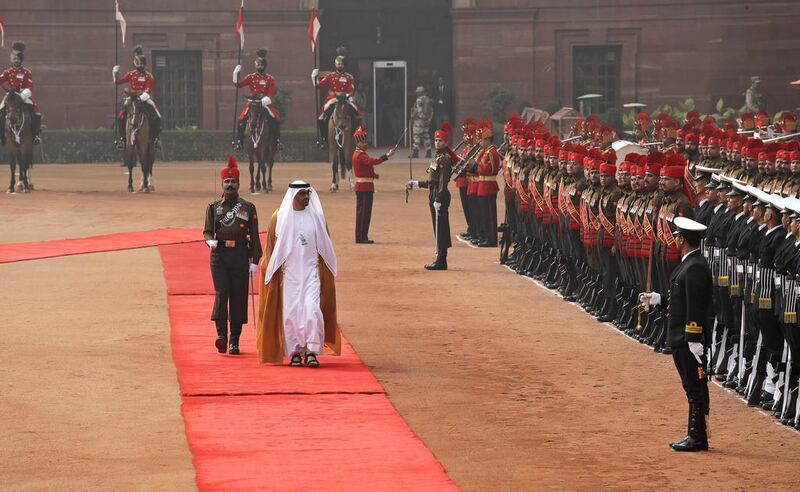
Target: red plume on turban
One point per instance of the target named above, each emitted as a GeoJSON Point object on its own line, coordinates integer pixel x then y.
{"type": "Point", "coordinates": [444, 132]}
{"type": "Point", "coordinates": [231, 170]}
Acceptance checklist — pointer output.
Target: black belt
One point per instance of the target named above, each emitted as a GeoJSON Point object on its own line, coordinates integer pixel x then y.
{"type": "Point", "coordinates": [230, 243]}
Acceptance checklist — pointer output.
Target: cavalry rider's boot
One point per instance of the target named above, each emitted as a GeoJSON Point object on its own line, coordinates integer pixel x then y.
{"type": "Point", "coordinates": [37, 128]}
{"type": "Point", "coordinates": [236, 331]}
{"type": "Point", "coordinates": [238, 144]}
{"type": "Point", "coordinates": [156, 128]}
{"type": "Point", "coordinates": [3, 126]}
{"type": "Point", "coordinates": [222, 336]}
{"type": "Point", "coordinates": [120, 133]}
{"type": "Point", "coordinates": [697, 438]}
{"type": "Point", "coordinates": [441, 261]}
{"type": "Point", "coordinates": [276, 130]}
{"type": "Point", "coordinates": [323, 132]}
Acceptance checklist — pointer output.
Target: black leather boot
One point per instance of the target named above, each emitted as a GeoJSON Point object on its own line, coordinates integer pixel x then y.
{"type": "Point", "coordinates": [37, 128]}
{"type": "Point", "coordinates": [238, 144]}
{"type": "Point", "coordinates": [236, 331]}
{"type": "Point", "coordinates": [440, 263]}
{"type": "Point", "coordinates": [222, 336]}
{"type": "Point", "coordinates": [697, 438]}
{"type": "Point", "coordinates": [120, 143]}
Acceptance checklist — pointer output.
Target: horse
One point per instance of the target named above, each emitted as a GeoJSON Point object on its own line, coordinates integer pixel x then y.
{"type": "Point", "coordinates": [138, 144]}
{"type": "Point", "coordinates": [261, 146]}
{"type": "Point", "coordinates": [341, 143]}
{"type": "Point", "coordinates": [18, 131]}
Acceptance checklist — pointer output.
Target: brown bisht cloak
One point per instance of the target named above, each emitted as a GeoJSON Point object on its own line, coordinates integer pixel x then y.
{"type": "Point", "coordinates": [269, 325]}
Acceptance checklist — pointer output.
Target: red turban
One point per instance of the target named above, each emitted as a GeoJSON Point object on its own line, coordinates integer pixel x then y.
{"type": "Point", "coordinates": [444, 132]}
{"type": "Point", "coordinates": [675, 172]}
{"type": "Point", "coordinates": [231, 170]}
{"type": "Point", "coordinates": [608, 169]}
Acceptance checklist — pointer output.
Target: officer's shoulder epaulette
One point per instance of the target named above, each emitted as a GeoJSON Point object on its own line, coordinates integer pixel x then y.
{"type": "Point", "coordinates": [245, 202]}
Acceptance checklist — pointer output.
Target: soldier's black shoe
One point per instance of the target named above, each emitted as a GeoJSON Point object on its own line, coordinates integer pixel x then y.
{"type": "Point", "coordinates": [365, 241]}
{"type": "Point", "coordinates": [486, 244]}
{"type": "Point", "coordinates": [731, 384]}
{"type": "Point", "coordinates": [233, 349]}
{"type": "Point", "coordinates": [666, 350]}
{"type": "Point", "coordinates": [721, 377]}
{"type": "Point", "coordinates": [689, 444]}
{"type": "Point", "coordinates": [465, 236]}
{"type": "Point", "coordinates": [437, 265]}
{"type": "Point", "coordinates": [221, 343]}
{"type": "Point", "coordinates": [767, 404]}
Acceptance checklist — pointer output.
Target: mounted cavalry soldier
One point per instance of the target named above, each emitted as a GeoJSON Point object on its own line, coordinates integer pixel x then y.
{"type": "Point", "coordinates": [262, 86]}
{"type": "Point", "coordinates": [140, 82]}
{"type": "Point", "coordinates": [20, 80]}
{"type": "Point", "coordinates": [340, 84]}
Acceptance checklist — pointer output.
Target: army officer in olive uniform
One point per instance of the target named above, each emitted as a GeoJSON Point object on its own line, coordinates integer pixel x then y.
{"type": "Point", "coordinates": [231, 231]}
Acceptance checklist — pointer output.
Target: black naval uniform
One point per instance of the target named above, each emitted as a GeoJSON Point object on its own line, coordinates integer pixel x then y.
{"type": "Point", "coordinates": [234, 224]}
{"type": "Point", "coordinates": [689, 307]}
{"type": "Point", "coordinates": [438, 177]}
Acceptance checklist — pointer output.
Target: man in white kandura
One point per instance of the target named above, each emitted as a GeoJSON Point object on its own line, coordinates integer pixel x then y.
{"type": "Point", "coordinates": [297, 300]}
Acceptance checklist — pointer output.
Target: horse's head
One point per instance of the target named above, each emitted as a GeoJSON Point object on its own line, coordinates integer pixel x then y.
{"type": "Point", "coordinates": [257, 111]}
{"type": "Point", "coordinates": [343, 113]}
{"type": "Point", "coordinates": [14, 105]}
{"type": "Point", "coordinates": [132, 102]}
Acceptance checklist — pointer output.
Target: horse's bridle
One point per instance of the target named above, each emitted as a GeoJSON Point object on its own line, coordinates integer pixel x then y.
{"type": "Point", "coordinates": [338, 130]}
{"type": "Point", "coordinates": [136, 116]}
{"type": "Point", "coordinates": [16, 130]}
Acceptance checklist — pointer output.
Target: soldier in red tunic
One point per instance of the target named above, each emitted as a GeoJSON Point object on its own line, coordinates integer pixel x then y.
{"type": "Point", "coordinates": [262, 86]}
{"type": "Point", "coordinates": [364, 172]}
{"type": "Point", "coordinates": [488, 167]}
{"type": "Point", "coordinates": [20, 80]}
{"type": "Point", "coordinates": [141, 82]}
{"type": "Point", "coordinates": [338, 83]}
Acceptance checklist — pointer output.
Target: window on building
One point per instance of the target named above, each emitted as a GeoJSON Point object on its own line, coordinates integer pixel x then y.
{"type": "Point", "coordinates": [595, 70]}
{"type": "Point", "coordinates": [179, 87]}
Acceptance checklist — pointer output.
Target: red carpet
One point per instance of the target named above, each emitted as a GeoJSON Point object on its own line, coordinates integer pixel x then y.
{"type": "Point", "coordinates": [281, 428]}
{"type": "Point", "coordinates": [97, 244]}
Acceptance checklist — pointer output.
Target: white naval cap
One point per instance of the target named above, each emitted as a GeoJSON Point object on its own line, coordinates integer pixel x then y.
{"type": "Point", "coordinates": [685, 224]}
{"type": "Point", "coordinates": [739, 189]}
{"type": "Point", "coordinates": [776, 202]}
{"type": "Point", "coordinates": [792, 204]}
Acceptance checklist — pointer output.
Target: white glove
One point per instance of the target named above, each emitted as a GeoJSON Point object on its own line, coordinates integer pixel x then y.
{"type": "Point", "coordinates": [144, 97]}
{"type": "Point", "coordinates": [437, 206]}
{"type": "Point", "coordinates": [412, 184]}
{"type": "Point", "coordinates": [314, 75]}
{"type": "Point", "coordinates": [236, 70]}
{"type": "Point", "coordinates": [211, 243]}
{"type": "Point", "coordinates": [253, 269]}
{"type": "Point", "coordinates": [25, 93]}
{"type": "Point", "coordinates": [266, 101]}
{"type": "Point", "coordinates": [697, 349]}
{"type": "Point", "coordinates": [351, 100]}
{"type": "Point", "coordinates": [650, 298]}
{"type": "Point", "coordinates": [114, 72]}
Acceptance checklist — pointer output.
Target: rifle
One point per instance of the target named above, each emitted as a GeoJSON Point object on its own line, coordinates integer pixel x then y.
{"type": "Point", "coordinates": [465, 160]}
{"type": "Point", "coordinates": [647, 287]}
